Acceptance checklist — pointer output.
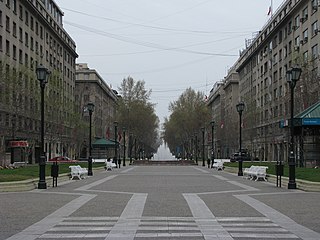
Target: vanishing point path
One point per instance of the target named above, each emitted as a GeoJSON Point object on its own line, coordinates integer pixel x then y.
{"type": "Point", "coordinates": [161, 202]}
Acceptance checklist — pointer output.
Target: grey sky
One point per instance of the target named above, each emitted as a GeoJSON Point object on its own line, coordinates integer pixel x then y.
{"type": "Point", "coordinates": [170, 44]}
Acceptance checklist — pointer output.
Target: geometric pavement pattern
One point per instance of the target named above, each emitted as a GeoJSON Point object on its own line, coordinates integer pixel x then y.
{"type": "Point", "coordinates": [168, 227]}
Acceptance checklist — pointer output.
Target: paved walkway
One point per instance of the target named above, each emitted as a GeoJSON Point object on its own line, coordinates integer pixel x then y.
{"type": "Point", "coordinates": [161, 202]}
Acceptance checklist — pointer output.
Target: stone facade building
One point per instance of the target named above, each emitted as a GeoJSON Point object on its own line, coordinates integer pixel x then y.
{"type": "Point", "coordinates": [32, 33]}
{"type": "Point", "coordinates": [90, 87]}
{"type": "Point", "coordinates": [290, 38]}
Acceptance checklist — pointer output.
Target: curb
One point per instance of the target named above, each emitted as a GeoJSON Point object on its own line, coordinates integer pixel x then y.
{"type": "Point", "coordinates": [28, 185]}
{"type": "Point", "coordinates": [301, 184]}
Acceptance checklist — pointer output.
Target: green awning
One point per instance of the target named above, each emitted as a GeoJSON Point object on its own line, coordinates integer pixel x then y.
{"type": "Point", "coordinates": [308, 117]}
{"type": "Point", "coordinates": [105, 143]}
{"type": "Point", "coordinates": [311, 112]}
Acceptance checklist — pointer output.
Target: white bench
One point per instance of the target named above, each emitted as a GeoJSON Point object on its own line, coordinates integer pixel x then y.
{"type": "Point", "coordinates": [78, 172]}
{"type": "Point", "coordinates": [218, 165]}
{"type": "Point", "coordinates": [110, 165]}
{"type": "Point", "coordinates": [256, 173]}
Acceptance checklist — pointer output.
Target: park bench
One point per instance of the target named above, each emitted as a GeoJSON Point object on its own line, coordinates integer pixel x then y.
{"type": "Point", "coordinates": [255, 173]}
{"type": "Point", "coordinates": [110, 165]}
{"type": "Point", "coordinates": [218, 165]}
{"type": "Point", "coordinates": [78, 172]}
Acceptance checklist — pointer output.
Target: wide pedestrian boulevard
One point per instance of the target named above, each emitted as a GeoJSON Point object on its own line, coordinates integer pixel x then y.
{"type": "Point", "coordinates": [161, 202]}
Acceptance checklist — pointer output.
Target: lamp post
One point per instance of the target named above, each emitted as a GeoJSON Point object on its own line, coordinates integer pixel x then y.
{"type": "Point", "coordinates": [202, 130]}
{"type": "Point", "coordinates": [90, 108]}
{"type": "Point", "coordinates": [196, 147]}
{"type": "Point", "coordinates": [116, 143]}
{"type": "Point", "coordinates": [42, 75]}
{"type": "Point", "coordinates": [240, 107]}
{"type": "Point", "coordinates": [212, 142]}
{"type": "Point", "coordinates": [124, 146]}
{"type": "Point", "coordinates": [293, 75]}
{"type": "Point", "coordinates": [130, 148]}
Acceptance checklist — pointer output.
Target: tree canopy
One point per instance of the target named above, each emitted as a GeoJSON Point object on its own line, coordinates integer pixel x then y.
{"type": "Point", "coordinates": [137, 114]}
{"type": "Point", "coordinates": [188, 114]}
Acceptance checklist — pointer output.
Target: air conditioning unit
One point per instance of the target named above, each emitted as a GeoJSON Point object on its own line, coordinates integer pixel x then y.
{"type": "Point", "coordinates": [302, 19]}
{"type": "Point", "coordinates": [296, 48]}
{"type": "Point", "coordinates": [305, 39]}
{"type": "Point", "coordinates": [294, 28]}
{"type": "Point", "coordinates": [301, 42]}
{"type": "Point", "coordinates": [316, 31]}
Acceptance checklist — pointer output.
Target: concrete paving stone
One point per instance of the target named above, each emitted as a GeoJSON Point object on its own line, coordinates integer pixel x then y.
{"type": "Point", "coordinates": [164, 202]}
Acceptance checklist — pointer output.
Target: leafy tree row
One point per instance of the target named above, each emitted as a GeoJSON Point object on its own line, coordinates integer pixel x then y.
{"type": "Point", "coordinates": [188, 115]}
{"type": "Point", "coordinates": [137, 115]}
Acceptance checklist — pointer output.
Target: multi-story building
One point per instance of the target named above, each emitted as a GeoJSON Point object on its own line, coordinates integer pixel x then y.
{"type": "Point", "coordinates": [290, 38]}
{"type": "Point", "coordinates": [258, 78]}
{"type": "Point", "coordinates": [90, 87]}
{"type": "Point", "coordinates": [222, 101]}
{"type": "Point", "coordinates": [32, 33]}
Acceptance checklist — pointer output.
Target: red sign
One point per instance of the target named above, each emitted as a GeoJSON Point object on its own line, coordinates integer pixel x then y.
{"type": "Point", "coordinates": [15, 144]}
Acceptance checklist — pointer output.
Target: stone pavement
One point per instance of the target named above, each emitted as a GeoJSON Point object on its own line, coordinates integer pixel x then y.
{"type": "Point", "coordinates": [161, 202]}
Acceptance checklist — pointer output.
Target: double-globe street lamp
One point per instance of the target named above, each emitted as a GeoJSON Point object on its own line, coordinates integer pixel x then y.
{"type": "Point", "coordinates": [90, 109]}
{"type": "Point", "coordinates": [240, 107]}
{"type": "Point", "coordinates": [124, 146]}
{"type": "Point", "coordinates": [212, 143]}
{"type": "Point", "coordinates": [293, 75]}
{"type": "Point", "coordinates": [42, 75]}
{"type": "Point", "coordinates": [203, 160]}
{"type": "Point", "coordinates": [116, 143]}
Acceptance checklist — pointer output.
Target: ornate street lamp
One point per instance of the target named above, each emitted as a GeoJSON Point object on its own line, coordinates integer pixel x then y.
{"type": "Point", "coordinates": [124, 146]}
{"type": "Point", "coordinates": [240, 107]}
{"type": "Point", "coordinates": [42, 75]}
{"type": "Point", "coordinates": [115, 159]}
{"type": "Point", "coordinates": [90, 108]}
{"type": "Point", "coordinates": [212, 142]}
{"type": "Point", "coordinates": [203, 160]}
{"type": "Point", "coordinates": [293, 75]}
{"type": "Point", "coordinates": [130, 147]}
{"type": "Point", "coordinates": [196, 147]}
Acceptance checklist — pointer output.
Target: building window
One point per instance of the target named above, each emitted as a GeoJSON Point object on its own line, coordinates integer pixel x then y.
{"type": "Point", "coordinates": [27, 18]}
{"type": "Point", "coordinates": [314, 4]}
{"type": "Point", "coordinates": [26, 60]}
{"type": "Point", "coordinates": [14, 6]}
{"type": "Point", "coordinates": [314, 51]}
{"type": "Point", "coordinates": [1, 48]}
{"type": "Point", "coordinates": [20, 35]}
{"type": "Point", "coordinates": [14, 52]}
{"type": "Point", "coordinates": [305, 36]}
{"type": "Point", "coordinates": [305, 57]}
{"type": "Point", "coordinates": [31, 23]}
{"type": "Point", "coordinates": [31, 44]}
{"type": "Point", "coordinates": [20, 56]}
{"type": "Point", "coordinates": [26, 39]}
{"type": "Point", "coordinates": [7, 24]}
{"type": "Point", "coordinates": [7, 47]}
{"type": "Point", "coordinates": [304, 15]}
{"type": "Point", "coordinates": [20, 12]}
{"type": "Point", "coordinates": [315, 29]}
{"type": "Point", "coordinates": [0, 18]}
{"type": "Point", "coordinates": [296, 22]}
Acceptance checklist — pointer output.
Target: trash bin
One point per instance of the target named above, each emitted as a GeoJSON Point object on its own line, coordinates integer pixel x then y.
{"type": "Point", "coordinates": [279, 169]}
{"type": "Point", "coordinates": [279, 173]}
{"type": "Point", "coordinates": [55, 170]}
{"type": "Point", "coordinates": [55, 173]}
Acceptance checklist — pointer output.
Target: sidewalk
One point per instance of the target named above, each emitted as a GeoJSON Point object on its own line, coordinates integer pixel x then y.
{"type": "Point", "coordinates": [28, 185]}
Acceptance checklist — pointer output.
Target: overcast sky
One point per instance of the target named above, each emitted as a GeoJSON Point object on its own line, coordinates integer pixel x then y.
{"type": "Point", "coordinates": [170, 44]}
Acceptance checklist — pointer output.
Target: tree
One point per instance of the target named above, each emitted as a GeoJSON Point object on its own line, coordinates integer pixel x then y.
{"type": "Point", "coordinates": [188, 114]}
{"type": "Point", "coordinates": [137, 114]}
